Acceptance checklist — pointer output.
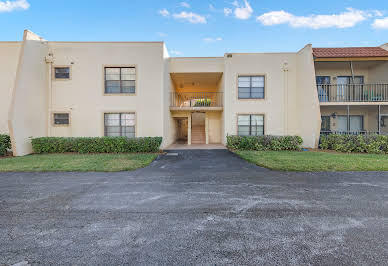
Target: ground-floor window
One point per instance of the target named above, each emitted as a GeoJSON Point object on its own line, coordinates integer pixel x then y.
{"type": "Point", "coordinates": [325, 123]}
{"type": "Point", "coordinates": [250, 125]}
{"type": "Point", "coordinates": [119, 124]}
{"type": "Point", "coordinates": [356, 123]}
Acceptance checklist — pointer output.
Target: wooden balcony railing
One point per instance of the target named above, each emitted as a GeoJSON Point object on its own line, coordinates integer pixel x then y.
{"type": "Point", "coordinates": [352, 92]}
{"type": "Point", "coordinates": [196, 99]}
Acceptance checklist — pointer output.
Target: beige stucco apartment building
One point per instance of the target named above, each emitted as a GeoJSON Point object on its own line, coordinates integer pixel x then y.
{"type": "Point", "coordinates": [135, 89]}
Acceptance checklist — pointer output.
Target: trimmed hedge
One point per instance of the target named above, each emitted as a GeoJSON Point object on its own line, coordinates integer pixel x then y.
{"type": "Point", "coordinates": [262, 143]}
{"type": "Point", "coordinates": [5, 144]}
{"type": "Point", "coordinates": [355, 143]}
{"type": "Point", "coordinates": [96, 145]}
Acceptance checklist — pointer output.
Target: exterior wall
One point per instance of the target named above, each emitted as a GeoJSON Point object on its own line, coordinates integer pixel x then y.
{"type": "Point", "coordinates": [370, 114]}
{"type": "Point", "coordinates": [308, 111]}
{"type": "Point", "coordinates": [196, 64]}
{"type": "Point", "coordinates": [379, 73]}
{"type": "Point", "coordinates": [289, 90]}
{"type": "Point", "coordinates": [335, 69]}
{"type": "Point", "coordinates": [214, 120]}
{"type": "Point", "coordinates": [9, 54]}
{"type": "Point", "coordinates": [28, 109]}
{"type": "Point", "coordinates": [83, 96]}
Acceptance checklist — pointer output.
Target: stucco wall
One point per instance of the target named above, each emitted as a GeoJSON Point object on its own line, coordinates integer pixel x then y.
{"type": "Point", "coordinates": [370, 114]}
{"type": "Point", "coordinates": [28, 108]}
{"type": "Point", "coordinates": [379, 73]}
{"type": "Point", "coordinates": [308, 116]}
{"type": "Point", "coordinates": [289, 77]}
{"type": "Point", "coordinates": [83, 95]}
{"type": "Point", "coordinates": [9, 54]}
{"type": "Point", "coordinates": [214, 127]}
{"type": "Point", "coordinates": [335, 69]}
{"type": "Point", "coordinates": [196, 64]}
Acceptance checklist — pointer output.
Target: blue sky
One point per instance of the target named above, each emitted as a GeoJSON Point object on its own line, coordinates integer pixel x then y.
{"type": "Point", "coordinates": [202, 28]}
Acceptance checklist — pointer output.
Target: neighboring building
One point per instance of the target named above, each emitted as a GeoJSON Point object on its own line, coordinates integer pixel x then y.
{"type": "Point", "coordinates": [134, 89]}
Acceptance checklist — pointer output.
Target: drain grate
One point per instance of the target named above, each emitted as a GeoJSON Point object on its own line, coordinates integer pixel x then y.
{"type": "Point", "coordinates": [172, 154]}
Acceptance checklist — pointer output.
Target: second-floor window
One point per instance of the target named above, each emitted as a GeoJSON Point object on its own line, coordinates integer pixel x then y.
{"type": "Point", "coordinates": [251, 87]}
{"type": "Point", "coordinates": [120, 80]}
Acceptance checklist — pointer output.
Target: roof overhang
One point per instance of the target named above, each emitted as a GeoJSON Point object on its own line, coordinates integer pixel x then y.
{"type": "Point", "coordinates": [347, 59]}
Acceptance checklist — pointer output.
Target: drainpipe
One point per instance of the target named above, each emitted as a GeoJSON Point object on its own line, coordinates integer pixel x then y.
{"type": "Point", "coordinates": [379, 118]}
{"type": "Point", "coordinates": [49, 60]}
{"type": "Point", "coordinates": [285, 70]}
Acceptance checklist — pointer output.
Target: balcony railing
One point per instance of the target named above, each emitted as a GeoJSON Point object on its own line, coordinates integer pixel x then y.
{"type": "Point", "coordinates": [352, 92]}
{"type": "Point", "coordinates": [196, 99]}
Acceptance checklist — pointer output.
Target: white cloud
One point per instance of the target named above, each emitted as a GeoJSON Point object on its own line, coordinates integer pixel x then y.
{"type": "Point", "coordinates": [241, 11]}
{"type": "Point", "coordinates": [185, 4]}
{"type": "Point", "coordinates": [210, 40]}
{"type": "Point", "coordinates": [161, 34]}
{"type": "Point", "coordinates": [346, 19]}
{"type": "Point", "coordinates": [381, 23]}
{"type": "Point", "coordinates": [164, 12]}
{"type": "Point", "coordinates": [227, 11]}
{"type": "Point", "coordinates": [190, 17]}
{"type": "Point", "coordinates": [9, 6]}
{"type": "Point", "coordinates": [175, 52]}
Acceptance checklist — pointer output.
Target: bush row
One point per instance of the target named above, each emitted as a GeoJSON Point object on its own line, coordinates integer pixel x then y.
{"type": "Point", "coordinates": [262, 143]}
{"type": "Point", "coordinates": [355, 143]}
{"type": "Point", "coordinates": [5, 144]}
{"type": "Point", "coordinates": [96, 145]}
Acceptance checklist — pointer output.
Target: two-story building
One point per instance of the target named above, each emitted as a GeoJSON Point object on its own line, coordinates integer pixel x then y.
{"type": "Point", "coordinates": [135, 89]}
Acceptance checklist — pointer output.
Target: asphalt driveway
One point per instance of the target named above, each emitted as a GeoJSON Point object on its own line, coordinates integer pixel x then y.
{"type": "Point", "coordinates": [197, 207]}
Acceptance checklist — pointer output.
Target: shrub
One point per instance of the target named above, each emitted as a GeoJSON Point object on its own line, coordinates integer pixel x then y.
{"type": "Point", "coordinates": [355, 143]}
{"type": "Point", "coordinates": [203, 102]}
{"type": "Point", "coordinates": [260, 143]}
{"type": "Point", "coordinates": [96, 145]}
{"type": "Point", "coordinates": [5, 144]}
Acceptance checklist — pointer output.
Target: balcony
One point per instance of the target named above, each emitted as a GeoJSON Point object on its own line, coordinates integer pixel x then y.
{"type": "Point", "coordinates": [196, 101]}
{"type": "Point", "coordinates": [352, 93]}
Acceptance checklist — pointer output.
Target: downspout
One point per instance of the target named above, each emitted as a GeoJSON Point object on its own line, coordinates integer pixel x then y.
{"type": "Point", "coordinates": [49, 60]}
{"type": "Point", "coordinates": [352, 72]}
{"type": "Point", "coordinates": [285, 70]}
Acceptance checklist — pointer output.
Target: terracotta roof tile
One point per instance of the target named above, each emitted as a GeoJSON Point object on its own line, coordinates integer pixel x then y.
{"type": "Point", "coordinates": [350, 52]}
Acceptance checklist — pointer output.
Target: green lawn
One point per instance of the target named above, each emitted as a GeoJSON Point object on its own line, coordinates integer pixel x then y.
{"type": "Point", "coordinates": [76, 162]}
{"type": "Point", "coordinates": [309, 161]}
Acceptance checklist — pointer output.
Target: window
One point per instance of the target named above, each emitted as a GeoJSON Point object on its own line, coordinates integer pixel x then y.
{"type": "Point", "coordinates": [323, 83]}
{"type": "Point", "coordinates": [120, 80]}
{"type": "Point", "coordinates": [119, 124]}
{"type": "Point", "coordinates": [61, 119]}
{"type": "Point", "coordinates": [62, 72]}
{"type": "Point", "coordinates": [345, 91]}
{"type": "Point", "coordinates": [251, 87]}
{"type": "Point", "coordinates": [356, 123]}
{"type": "Point", "coordinates": [250, 125]}
{"type": "Point", "coordinates": [325, 123]}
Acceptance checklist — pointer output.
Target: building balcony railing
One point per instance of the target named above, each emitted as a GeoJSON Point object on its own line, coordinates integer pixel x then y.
{"type": "Point", "coordinates": [196, 99]}
{"type": "Point", "coordinates": [352, 92]}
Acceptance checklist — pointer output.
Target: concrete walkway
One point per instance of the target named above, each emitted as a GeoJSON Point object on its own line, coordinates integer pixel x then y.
{"type": "Point", "coordinates": [177, 146]}
{"type": "Point", "coordinates": [196, 207]}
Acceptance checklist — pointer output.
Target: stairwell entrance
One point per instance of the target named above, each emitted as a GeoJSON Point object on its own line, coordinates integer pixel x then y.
{"type": "Point", "coordinates": [198, 133]}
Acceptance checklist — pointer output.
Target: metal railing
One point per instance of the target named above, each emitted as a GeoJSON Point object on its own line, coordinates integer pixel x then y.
{"type": "Point", "coordinates": [196, 99]}
{"type": "Point", "coordinates": [363, 132]}
{"type": "Point", "coordinates": [352, 92]}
